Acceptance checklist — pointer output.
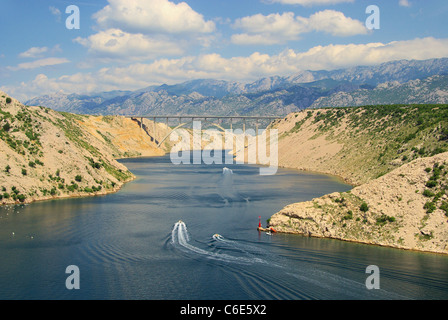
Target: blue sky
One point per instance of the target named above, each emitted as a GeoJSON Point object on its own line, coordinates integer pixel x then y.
{"type": "Point", "coordinates": [131, 44]}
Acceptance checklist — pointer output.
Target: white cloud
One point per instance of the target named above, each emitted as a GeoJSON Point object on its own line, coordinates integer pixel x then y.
{"type": "Point", "coordinates": [56, 12]}
{"type": "Point", "coordinates": [280, 28]}
{"type": "Point", "coordinates": [404, 3]}
{"type": "Point", "coordinates": [39, 63]}
{"type": "Point", "coordinates": [137, 30]}
{"type": "Point", "coordinates": [148, 16]}
{"type": "Point", "coordinates": [336, 23]}
{"type": "Point", "coordinates": [244, 68]}
{"type": "Point", "coordinates": [341, 56]}
{"type": "Point", "coordinates": [309, 3]}
{"type": "Point", "coordinates": [117, 44]}
{"type": "Point", "coordinates": [37, 52]}
{"type": "Point", "coordinates": [33, 52]}
{"type": "Point", "coordinates": [271, 29]}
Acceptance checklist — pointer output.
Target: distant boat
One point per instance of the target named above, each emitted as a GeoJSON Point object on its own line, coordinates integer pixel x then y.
{"type": "Point", "coordinates": [217, 236]}
{"type": "Point", "coordinates": [227, 171]}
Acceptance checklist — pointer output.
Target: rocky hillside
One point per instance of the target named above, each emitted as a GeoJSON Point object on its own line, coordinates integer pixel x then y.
{"type": "Point", "coordinates": [359, 144]}
{"type": "Point", "coordinates": [276, 102]}
{"type": "Point", "coordinates": [396, 155]}
{"type": "Point", "coordinates": [431, 90]}
{"type": "Point", "coordinates": [46, 154]}
{"type": "Point", "coordinates": [406, 208]}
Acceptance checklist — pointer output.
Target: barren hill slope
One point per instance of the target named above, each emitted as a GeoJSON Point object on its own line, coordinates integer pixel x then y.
{"type": "Point", "coordinates": [395, 154]}
{"type": "Point", "coordinates": [361, 143]}
{"type": "Point", "coordinates": [406, 208]}
{"type": "Point", "coordinates": [45, 154]}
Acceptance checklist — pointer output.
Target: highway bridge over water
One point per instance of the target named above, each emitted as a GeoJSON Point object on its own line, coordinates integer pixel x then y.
{"type": "Point", "coordinates": [185, 120]}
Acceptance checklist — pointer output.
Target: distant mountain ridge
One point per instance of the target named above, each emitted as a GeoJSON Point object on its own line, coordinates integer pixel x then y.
{"type": "Point", "coordinates": [274, 95]}
{"type": "Point", "coordinates": [431, 90]}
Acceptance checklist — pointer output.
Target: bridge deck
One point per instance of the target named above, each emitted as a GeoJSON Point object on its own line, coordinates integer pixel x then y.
{"type": "Point", "coordinates": [193, 117]}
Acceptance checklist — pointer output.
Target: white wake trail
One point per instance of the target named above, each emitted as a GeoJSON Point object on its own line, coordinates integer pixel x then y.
{"type": "Point", "coordinates": [180, 238]}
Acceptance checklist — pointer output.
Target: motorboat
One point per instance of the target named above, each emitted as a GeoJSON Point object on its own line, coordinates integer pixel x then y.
{"type": "Point", "coordinates": [217, 236]}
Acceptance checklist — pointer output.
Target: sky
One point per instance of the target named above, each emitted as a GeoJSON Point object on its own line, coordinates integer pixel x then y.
{"type": "Point", "coordinates": [47, 47]}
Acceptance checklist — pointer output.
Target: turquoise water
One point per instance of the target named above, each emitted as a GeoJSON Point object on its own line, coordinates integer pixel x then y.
{"type": "Point", "coordinates": [131, 245]}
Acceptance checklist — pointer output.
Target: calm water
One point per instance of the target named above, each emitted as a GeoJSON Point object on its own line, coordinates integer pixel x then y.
{"type": "Point", "coordinates": [130, 245]}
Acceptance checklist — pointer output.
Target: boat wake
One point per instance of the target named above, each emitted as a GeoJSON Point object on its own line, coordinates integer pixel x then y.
{"type": "Point", "coordinates": [247, 254]}
{"type": "Point", "coordinates": [180, 238]}
{"type": "Point", "coordinates": [248, 249]}
{"type": "Point", "coordinates": [227, 190]}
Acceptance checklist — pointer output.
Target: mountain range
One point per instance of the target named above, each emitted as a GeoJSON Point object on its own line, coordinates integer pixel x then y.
{"type": "Point", "coordinates": [431, 90]}
{"type": "Point", "coordinates": [387, 83]}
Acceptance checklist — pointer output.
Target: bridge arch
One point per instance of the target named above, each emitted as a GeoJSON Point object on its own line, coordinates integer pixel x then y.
{"type": "Point", "coordinates": [195, 118]}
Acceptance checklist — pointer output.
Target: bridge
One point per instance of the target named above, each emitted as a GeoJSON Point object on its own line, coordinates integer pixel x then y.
{"type": "Point", "coordinates": [207, 118]}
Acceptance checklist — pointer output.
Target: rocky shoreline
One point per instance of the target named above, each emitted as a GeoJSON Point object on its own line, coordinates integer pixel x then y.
{"type": "Point", "coordinates": [391, 211]}
{"type": "Point", "coordinates": [394, 158]}
{"type": "Point", "coordinates": [76, 195]}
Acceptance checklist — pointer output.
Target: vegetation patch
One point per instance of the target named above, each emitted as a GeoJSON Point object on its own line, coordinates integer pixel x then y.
{"type": "Point", "coordinates": [438, 186]}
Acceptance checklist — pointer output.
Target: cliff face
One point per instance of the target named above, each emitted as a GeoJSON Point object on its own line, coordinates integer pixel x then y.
{"type": "Point", "coordinates": [397, 210]}
{"type": "Point", "coordinates": [401, 199]}
{"type": "Point", "coordinates": [45, 154]}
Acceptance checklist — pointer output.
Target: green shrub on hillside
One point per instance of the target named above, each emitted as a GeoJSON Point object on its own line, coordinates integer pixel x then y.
{"type": "Point", "coordinates": [384, 218]}
{"type": "Point", "coordinates": [431, 184]}
{"type": "Point", "coordinates": [444, 207]}
{"type": "Point", "coordinates": [430, 207]}
{"type": "Point", "coordinates": [6, 126]}
{"type": "Point", "coordinates": [438, 184]}
{"type": "Point", "coordinates": [364, 207]}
